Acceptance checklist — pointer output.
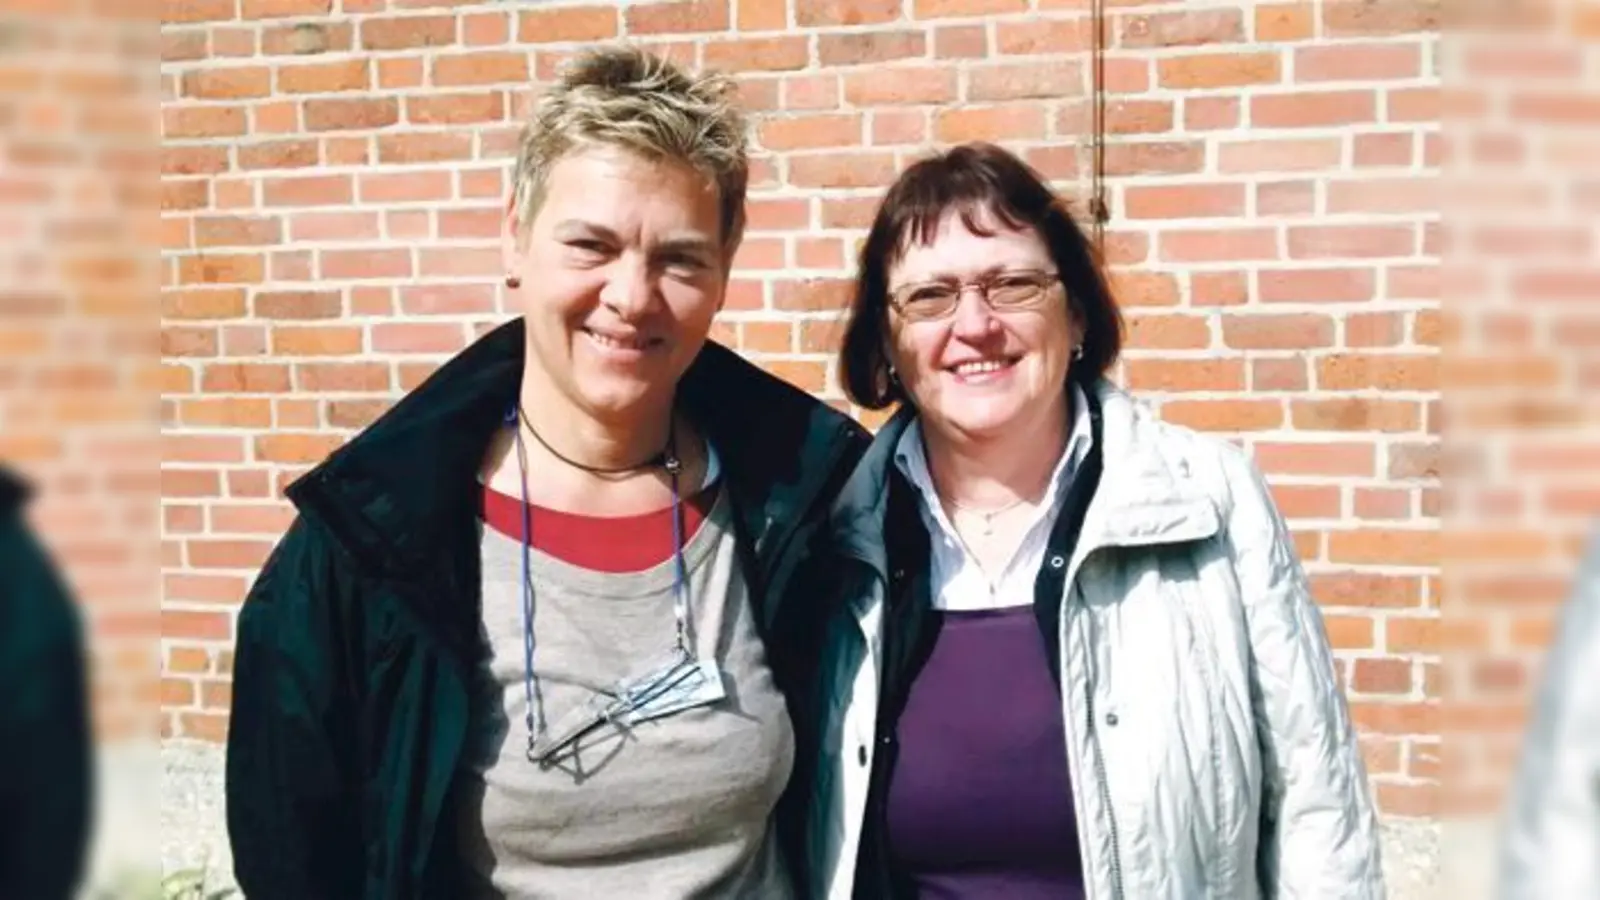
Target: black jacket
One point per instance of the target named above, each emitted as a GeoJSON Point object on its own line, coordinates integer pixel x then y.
{"type": "Point", "coordinates": [46, 750]}
{"type": "Point", "coordinates": [354, 644]}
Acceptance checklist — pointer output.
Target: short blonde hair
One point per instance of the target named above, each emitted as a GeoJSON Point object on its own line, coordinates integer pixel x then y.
{"type": "Point", "coordinates": [625, 97]}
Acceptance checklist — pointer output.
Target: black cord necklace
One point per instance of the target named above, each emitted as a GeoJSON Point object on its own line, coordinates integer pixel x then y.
{"type": "Point", "coordinates": [667, 458]}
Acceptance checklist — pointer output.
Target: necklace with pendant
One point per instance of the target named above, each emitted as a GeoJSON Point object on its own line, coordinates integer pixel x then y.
{"type": "Point", "coordinates": [988, 515]}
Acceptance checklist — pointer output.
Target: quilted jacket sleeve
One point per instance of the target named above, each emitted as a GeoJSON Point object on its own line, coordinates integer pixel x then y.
{"type": "Point", "coordinates": [293, 812]}
{"type": "Point", "coordinates": [1319, 831]}
{"type": "Point", "coordinates": [1551, 843]}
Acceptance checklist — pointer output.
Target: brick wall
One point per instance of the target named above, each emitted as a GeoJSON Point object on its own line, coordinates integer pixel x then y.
{"type": "Point", "coordinates": [334, 170]}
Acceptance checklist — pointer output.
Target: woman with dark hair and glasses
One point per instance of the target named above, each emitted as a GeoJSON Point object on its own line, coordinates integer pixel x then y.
{"type": "Point", "coordinates": [1075, 654]}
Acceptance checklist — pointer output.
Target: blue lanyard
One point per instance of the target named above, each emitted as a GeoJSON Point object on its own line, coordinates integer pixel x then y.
{"type": "Point", "coordinates": [680, 593]}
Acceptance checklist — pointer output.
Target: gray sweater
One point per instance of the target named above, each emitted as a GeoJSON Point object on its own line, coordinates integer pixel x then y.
{"type": "Point", "coordinates": [675, 807]}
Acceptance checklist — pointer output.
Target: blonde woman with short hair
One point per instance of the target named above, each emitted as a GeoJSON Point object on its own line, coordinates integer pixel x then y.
{"type": "Point", "coordinates": [543, 629]}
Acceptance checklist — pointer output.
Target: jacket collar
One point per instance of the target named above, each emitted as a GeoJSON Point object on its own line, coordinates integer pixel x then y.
{"type": "Point", "coordinates": [1147, 493]}
{"type": "Point", "coordinates": [395, 493]}
{"type": "Point", "coordinates": [14, 494]}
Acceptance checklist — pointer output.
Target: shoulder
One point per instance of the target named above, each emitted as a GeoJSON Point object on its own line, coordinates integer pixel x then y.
{"type": "Point", "coordinates": [1195, 461]}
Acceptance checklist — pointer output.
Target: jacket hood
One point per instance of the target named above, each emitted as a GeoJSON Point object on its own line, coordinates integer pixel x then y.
{"type": "Point", "coordinates": [391, 492]}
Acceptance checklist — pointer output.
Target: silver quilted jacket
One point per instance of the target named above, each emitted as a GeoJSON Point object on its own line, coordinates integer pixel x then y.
{"type": "Point", "coordinates": [1209, 745]}
{"type": "Point", "coordinates": [1551, 848]}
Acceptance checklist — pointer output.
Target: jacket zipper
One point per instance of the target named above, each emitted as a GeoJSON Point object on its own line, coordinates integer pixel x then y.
{"type": "Point", "coordinates": [1105, 791]}
{"type": "Point", "coordinates": [1101, 781]}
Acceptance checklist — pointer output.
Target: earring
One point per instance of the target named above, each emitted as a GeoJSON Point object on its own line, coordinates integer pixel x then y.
{"type": "Point", "coordinates": [1077, 353]}
{"type": "Point", "coordinates": [513, 282]}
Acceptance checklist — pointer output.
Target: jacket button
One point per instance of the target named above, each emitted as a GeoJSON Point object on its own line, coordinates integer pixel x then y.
{"type": "Point", "coordinates": [861, 754]}
{"type": "Point", "coordinates": [1111, 719]}
{"type": "Point", "coordinates": [1057, 562]}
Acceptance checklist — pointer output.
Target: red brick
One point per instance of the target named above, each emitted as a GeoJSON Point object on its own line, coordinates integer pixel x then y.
{"type": "Point", "coordinates": [482, 262]}
{"type": "Point", "coordinates": [334, 227]}
{"type": "Point", "coordinates": [412, 337]}
{"type": "Point", "coordinates": [1351, 241]}
{"type": "Point", "coordinates": [408, 32]}
{"type": "Point", "coordinates": [350, 264]}
{"type": "Point", "coordinates": [315, 190]}
{"type": "Point", "coordinates": [1347, 18]}
{"type": "Point", "coordinates": [575, 23]}
{"type": "Point", "coordinates": [194, 625]}
{"type": "Point", "coordinates": [425, 147]}
{"type": "Point", "coordinates": [677, 17]}
{"type": "Point", "coordinates": [1042, 36]}
{"type": "Point", "coordinates": [1358, 62]}
{"type": "Point", "coordinates": [456, 109]}
{"type": "Point", "coordinates": [1321, 458]}
{"type": "Point", "coordinates": [480, 68]}
{"type": "Point", "coordinates": [1377, 503]}
{"type": "Point", "coordinates": [1381, 676]}
{"type": "Point", "coordinates": [1218, 288]}
{"type": "Point", "coordinates": [1180, 29]}
{"type": "Point", "coordinates": [1211, 113]}
{"type": "Point", "coordinates": [1372, 546]}
{"type": "Point", "coordinates": [1394, 372]}
{"type": "Point", "coordinates": [228, 83]}
{"type": "Point", "coordinates": [237, 231]}
{"type": "Point", "coordinates": [1366, 590]}
{"type": "Point", "coordinates": [1374, 330]}
{"type": "Point", "coordinates": [1356, 414]}
{"type": "Point", "coordinates": [940, 9]}
{"type": "Point", "coordinates": [1154, 158]}
{"type": "Point", "coordinates": [1286, 198]}
{"type": "Point", "coordinates": [1018, 81]}
{"type": "Point", "coordinates": [1218, 245]}
{"type": "Point", "coordinates": [278, 155]}
{"type": "Point", "coordinates": [1218, 70]}
{"type": "Point", "coordinates": [203, 303]}
{"type": "Point", "coordinates": [333, 377]}
{"type": "Point", "coordinates": [446, 299]}
{"type": "Point", "coordinates": [1168, 332]}
{"type": "Point", "coordinates": [869, 47]}
{"type": "Point", "coordinates": [763, 54]}
{"type": "Point", "coordinates": [233, 412]}
{"type": "Point", "coordinates": [202, 121]}
{"type": "Point", "coordinates": [1184, 201]}
{"type": "Point", "coordinates": [404, 187]}
{"type": "Point", "coordinates": [1279, 375]}
{"type": "Point", "coordinates": [899, 126]}
{"type": "Point", "coordinates": [990, 123]}
{"type": "Point", "coordinates": [174, 12]}
{"type": "Point", "coordinates": [275, 9]}
{"type": "Point", "coordinates": [1284, 22]}
{"type": "Point", "coordinates": [1185, 375]}
{"type": "Point", "coordinates": [811, 13]}
{"type": "Point", "coordinates": [296, 448]}
{"type": "Point", "coordinates": [1138, 289]}
{"type": "Point", "coordinates": [346, 75]}
{"type": "Point", "coordinates": [811, 92]}
{"type": "Point", "coordinates": [900, 85]}
{"type": "Point", "coordinates": [1351, 285]}
{"type": "Point", "coordinates": [841, 170]}
{"type": "Point", "coordinates": [762, 15]}
{"type": "Point", "coordinates": [307, 38]}
{"type": "Point", "coordinates": [1279, 155]}
{"type": "Point", "coordinates": [1277, 332]}
{"type": "Point", "coordinates": [316, 340]}
{"type": "Point", "coordinates": [1313, 110]}
{"type": "Point", "coordinates": [960, 42]}
{"type": "Point", "coordinates": [351, 114]}
{"type": "Point", "coordinates": [814, 295]}
{"type": "Point", "coordinates": [1225, 415]}
{"type": "Point", "coordinates": [221, 268]}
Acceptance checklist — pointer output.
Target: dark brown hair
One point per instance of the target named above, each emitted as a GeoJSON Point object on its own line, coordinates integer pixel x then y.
{"type": "Point", "coordinates": [970, 179]}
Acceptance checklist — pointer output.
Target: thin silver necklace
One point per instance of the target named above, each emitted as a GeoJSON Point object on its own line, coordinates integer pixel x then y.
{"type": "Point", "coordinates": [987, 515]}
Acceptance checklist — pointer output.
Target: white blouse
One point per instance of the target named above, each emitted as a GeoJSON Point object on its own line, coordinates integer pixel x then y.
{"type": "Point", "coordinates": [958, 582]}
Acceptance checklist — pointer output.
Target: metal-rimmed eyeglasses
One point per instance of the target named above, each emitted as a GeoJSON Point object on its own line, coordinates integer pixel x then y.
{"type": "Point", "coordinates": [1003, 291]}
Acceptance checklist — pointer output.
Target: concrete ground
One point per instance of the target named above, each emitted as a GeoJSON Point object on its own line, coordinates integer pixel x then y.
{"type": "Point", "coordinates": [192, 833]}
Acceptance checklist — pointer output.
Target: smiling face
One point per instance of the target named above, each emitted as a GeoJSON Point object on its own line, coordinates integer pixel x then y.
{"type": "Point", "coordinates": [978, 373]}
{"type": "Point", "coordinates": [622, 273]}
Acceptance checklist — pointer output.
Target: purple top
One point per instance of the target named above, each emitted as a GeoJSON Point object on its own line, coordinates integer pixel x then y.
{"type": "Point", "coordinates": [980, 804]}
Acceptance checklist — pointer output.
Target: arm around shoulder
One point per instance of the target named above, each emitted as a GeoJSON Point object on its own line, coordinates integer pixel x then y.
{"type": "Point", "coordinates": [293, 802]}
